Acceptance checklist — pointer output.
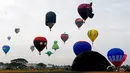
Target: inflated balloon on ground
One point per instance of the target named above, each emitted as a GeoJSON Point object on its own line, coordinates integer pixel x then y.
{"type": "Point", "coordinates": [115, 55]}
{"type": "Point", "coordinates": [90, 61]}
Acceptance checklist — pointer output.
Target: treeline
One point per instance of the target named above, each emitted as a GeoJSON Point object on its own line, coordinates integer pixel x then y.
{"type": "Point", "coordinates": [22, 64]}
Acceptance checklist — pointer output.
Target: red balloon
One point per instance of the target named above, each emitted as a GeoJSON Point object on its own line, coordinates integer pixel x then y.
{"type": "Point", "coordinates": [40, 43]}
{"type": "Point", "coordinates": [85, 11]}
{"type": "Point", "coordinates": [118, 64]}
{"type": "Point", "coordinates": [64, 37]}
{"type": "Point", "coordinates": [124, 58]}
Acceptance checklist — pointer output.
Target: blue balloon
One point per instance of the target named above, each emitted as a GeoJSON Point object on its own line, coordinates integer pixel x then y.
{"type": "Point", "coordinates": [6, 49]}
{"type": "Point", "coordinates": [81, 46]}
{"type": "Point", "coordinates": [115, 54]}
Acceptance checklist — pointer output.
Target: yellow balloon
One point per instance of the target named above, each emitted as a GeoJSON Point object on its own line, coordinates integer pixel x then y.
{"type": "Point", "coordinates": [92, 34]}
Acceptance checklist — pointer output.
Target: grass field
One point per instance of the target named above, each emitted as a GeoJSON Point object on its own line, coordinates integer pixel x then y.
{"type": "Point", "coordinates": [38, 71]}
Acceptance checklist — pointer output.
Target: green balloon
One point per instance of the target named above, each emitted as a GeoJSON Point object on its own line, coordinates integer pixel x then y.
{"type": "Point", "coordinates": [55, 42]}
{"type": "Point", "coordinates": [49, 53]}
{"type": "Point", "coordinates": [55, 45]}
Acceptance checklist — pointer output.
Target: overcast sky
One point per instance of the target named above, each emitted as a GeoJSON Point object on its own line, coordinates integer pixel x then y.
{"type": "Point", "coordinates": [112, 20]}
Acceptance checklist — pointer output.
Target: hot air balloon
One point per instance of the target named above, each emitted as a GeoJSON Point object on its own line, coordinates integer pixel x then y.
{"type": "Point", "coordinates": [85, 11]}
{"type": "Point", "coordinates": [115, 55]}
{"type": "Point", "coordinates": [90, 61]}
{"type": "Point", "coordinates": [92, 34]}
{"type": "Point", "coordinates": [124, 58]}
{"type": "Point", "coordinates": [17, 30]}
{"type": "Point", "coordinates": [50, 19]}
{"type": "Point", "coordinates": [40, 43]}
{"type": "Point", "coordinates": [55, 45]}
{"type": "Point", "coordinates": [9, 37]}
{"type": "Point", "coordinates": [6, 48]}
{"type": "Point", "coordinates": [49, 53]}
{"type": "Point", "coordinates": [64, 37]}
{"type": "Point", "coordinates": [79, 22]}
{"type": "Point", "coordinates": [81, 46]}
{"type": "Point", "coordinates": [32, 47]}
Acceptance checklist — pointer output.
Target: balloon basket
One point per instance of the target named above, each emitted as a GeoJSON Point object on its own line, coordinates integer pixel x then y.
{"type": "Point", "coordinates": [39, 53]}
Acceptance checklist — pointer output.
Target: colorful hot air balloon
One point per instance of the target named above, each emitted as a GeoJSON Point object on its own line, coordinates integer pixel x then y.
{"type": "Point", "coordinates": [49, 53]}
{"type": "Point", "coordinates": [9, 37]}
{"type": "Point", "coordinates": [17, 30]}
{"type": "Point", "coordinates": [6, 48]}
{"type": "Point", "coordinates": [55, 45]}
{"type": "Point", "coordinates": [40, 43]}
{"type": "Point", "coordinates": [115, 55]}
{"type": "Point", "coordinates": [50, 19]}
{"type": "Point", "coordinates": [79, 22]}
{"type": "Point", "coordinates": [124, 58]}
{"type": "Point", "coordinates": [64, 37]}
{"type": "Point", "coordinates": [85, 11]}
{"type": "Point", "coordinates": [92, 34]}
{"type": "Point", "coordinates": [81, 46]}
{"type": "Point", "coordinates": [32, 47]}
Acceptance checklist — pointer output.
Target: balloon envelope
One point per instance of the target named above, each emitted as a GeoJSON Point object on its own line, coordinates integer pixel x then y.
{"type": "Point", "coordinates": [115, 55]}
{"type": "Point", "coordinates": [40, 43]}
{"type": "Point", "coordinates": [85, 11]}
{"type": "Point", "coordinates": [55, 45]}
{"type": "Point", "coordinates": [49, 53]}
{"type": "Point", "coordinates": [124, 58]}
{"type": "Point", "coordinates": [6, 48]}
{"type": "Point", "coordinates": [92, 34]}
{"type": "Point", "coordinates": [17, 30]}
{"type": "Point", "coordinates": [9, 37]}
{"type": "Point", "coordinates": [50, 19]}
{"type": "Point", "coordinates": [90, 61]}
{"type": "Point", "coordinates": [64, 37]}
{"type": "Point", "coordinates": [81, 46]}
{"type": "Point", "coordinates": [79, 22]}
{"type": "Point", "coordinates": [32, 48]}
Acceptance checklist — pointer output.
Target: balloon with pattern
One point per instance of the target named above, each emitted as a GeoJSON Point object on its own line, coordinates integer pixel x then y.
{"type": "Point", "coordinates": [116, 55]}
{"type": "Point", "coordinates": [92, 34]}
{"type": "Point", "coordinates": [79, 22]}
{"type": "Point", "coordinates": [40, 43]}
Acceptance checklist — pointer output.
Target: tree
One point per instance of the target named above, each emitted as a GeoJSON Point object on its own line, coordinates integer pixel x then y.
{"type": "Point", "coordinates": [19, 60]}
{"type": "Point", "coordinates": [41, 65]}
{"type": "Point", "coordinates": [1, 63]}
{"type": "Point", "coordinates": [19, 63]}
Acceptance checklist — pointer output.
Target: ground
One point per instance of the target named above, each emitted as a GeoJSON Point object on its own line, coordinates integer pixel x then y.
{"type": "Point", "coordinates": [29, 71]}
